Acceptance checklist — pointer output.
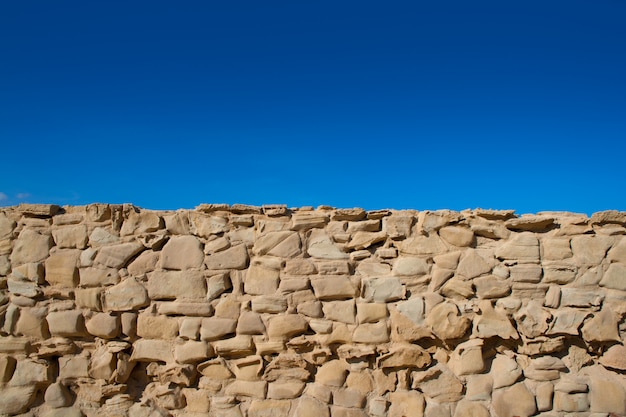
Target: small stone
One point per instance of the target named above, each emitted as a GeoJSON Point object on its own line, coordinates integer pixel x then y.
{"type": "Point", "coordinates": [103, 325]}
{"type": "Point", "coordinates": [57, 396]}
{"type": "Point", "coordinates": [383, 290]}
{"type": "Point", "coordinates": [406, 403]}
{"type": "Point", "coordinates": [514, 401]}
{"type": "Point", "coordinates": [66, 323]}
{"type": "Point", "coordinates": [320, 246]}
{"type": "Point", "coordinates": [170, 285]}
{"type": "Point", "coordinates": [332, 373]}
{"type": "Point", "coordinates": [333, 287]}
{"type": "Point", "coordinates": [30, 246]}
{"type": "Point", "coordinates": [126, 296]}
{"type": "Point", "coordinates": [117, 256]}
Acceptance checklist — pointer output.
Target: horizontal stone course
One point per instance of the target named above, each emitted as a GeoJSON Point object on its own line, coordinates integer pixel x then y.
{"type": "Point", "coordinates": [270, 311]}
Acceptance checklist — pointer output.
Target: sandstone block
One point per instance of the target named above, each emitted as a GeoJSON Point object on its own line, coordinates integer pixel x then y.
{"type": "Point", "coordinates": [423, 245]}
{"type": "Point", "coordinates": [269, 304]}
{"type": "Point", "coordinates": [66, 323]}
{"type": "Point", "coordinates": [371, 312]}
{"type": "Point", "coordinates": [521, 247]}
{"type": "Point", "coordinates": [254, 389]}
{"type": "Point", "coordinates": [182, 252]}
{"type": "Point", "coordinates": [31, 372]}
{"type": "Point", "coordinates": [491, 323]}
{"type": "Point", "coordinates": [287, 325]}
{"type": "Point", "coordinates": [104, 325]}
{"type": "Point", "coordinates": [590, 250]}
{"type": "Point", "coordinates": [16, 400]}
{"type": "Point", "coordinates": [363, 240]}
{"type": "Point", "coordinates": [261, 280]}
{"type": "Point", "coordinates": [214, 328]}
{"type": "Point", "coordinates": [438, 383]}
{"type": "Point", "coordinates": [570, 402]}
{"type": "Point", "coordinates": [235, 257]}
{"type": "Point", "coordinates": [117, 256]}
{"type": "Point", "coordinates": [98, 277]}
{"type": "Point", "coordinates": [311, 407]}
{"type": "Point", "coordinates": [156, 326]}
{"type": "Point", "coordinates": [149, 350]}
{"type": "Point", "coordinates": [410, 266]}
{"type": "Point", "coordinates": [615, 277]}
{"type": "Point", "coordinates": [128, 295]}
{"type": "Point", "coordinates": [237, 346]}
{"type": "Point", "coordinates": [346, 397]}
{"type": "Point", "coordinates": [182, 308]}
{"type": "Point", "coordinates": [404, 356]}
{"type": "Point", "coordinates": [89, 298]}
{"type": "Point", "coordinates": [30, 246]}
{"type": "Point", "coordinates": [446, 322]}
{"type": "Point", "coordinates": [513, 401]}
{"type": "Point", "coordinates": [332, 373]}
{"type": "Point", "coordinates": [170, 285]}
{"type": "Point", "coordinates": [602, 327]}
{"type": "Point", "coordinates": [371, 333]}
{"type": "Point", "coordinates": [556, 249]}
{"type": "Point", "coordinates": [23, 288]}
{"type": "Point", "coordinates": [192, 352]}
{"type": "Point", "coordinates": [490, 287]}
{"type": "Point", "coordinates": [333, 287]}
{"type": "Point", "coordinates": [320, 246]}
{"type": "Point", "coordinates": [61, 268]}
{"type": "Point", "coordinates": [269, 408]}
{"type": "Point", "coordinates": [57, 395]}
{"type": "Point", "coordinates": [470, 409]}
{"type": "Point", "coordinates": [342, 311]}
{"type": "Point", "coordinates": [382, 290]}
{"type": "Point", "coordinates": [7, 367]}
{"type": "Point", "coordinates": [406, 403]}
{"type": "Point", "coordinates": [281, 390]}
{"type": "Point", "coordinates": [71, 237]}
{"type": "Point", "coordinates": [73, 367]}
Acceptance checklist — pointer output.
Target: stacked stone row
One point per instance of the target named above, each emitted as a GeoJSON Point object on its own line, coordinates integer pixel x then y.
{"type": "Point", "coordinates": [236, 311]}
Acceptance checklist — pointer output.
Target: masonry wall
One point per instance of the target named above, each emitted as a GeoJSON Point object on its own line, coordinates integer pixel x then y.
{"type": "Point", "coordinates": [234, 311]}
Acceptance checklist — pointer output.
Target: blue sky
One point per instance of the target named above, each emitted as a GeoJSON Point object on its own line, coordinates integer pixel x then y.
{"type": "Point", "coordinates": [411, 104]}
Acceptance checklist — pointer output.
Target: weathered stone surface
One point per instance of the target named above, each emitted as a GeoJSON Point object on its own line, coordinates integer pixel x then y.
{"type": "Point", "coordinates": [16, 400]}
{"type": "Point", "coordinates": [311, 407]}
{"type": "Point", "coordinates": [438, 383]}
{"type": "Point", "coordinates": [491, 323]}
{"type": "Point", "coordinates": [147, 350]}
{"type": "Point", "coordinates": [171, 285]}
{"type": "Point", "coordinates": [523, 247]}
{"type": "Point", "coordinates": [71, 236]}
{"type": "Point", "coordinates": [614, 277]}
{"type": "Point", "coordinates": [602, 327]}
{"type": "Point", "coordinates": [104, 325]}
{"type": "Point", "coordinates": [156, 326]}
{"type": "Point", "coordinates": [489, 287]}
{"type": "Point", "coordinates": [514, 401]}
{"type": "Point", "coordinates": [30, 246]}
{"type": "Point", "coordinates": [320, 246]}
{"type": "Point", "coordinates": [333, 287]}
{"type": "Point", "coordinates": [505, 371]}
{"type": "Point", "coordinates": [69, 323]}
{"type": "Point", "coordinates": [182, 252]}
{"type": "Point", "coordinates": [406, 403]}
{"type": "Point", "coordinates": [235, 257]}
{"type": "Point", "coordinates": [287, 325]}
{"type": "Point", "coordinates": [117, 256]}
{"type": "Point", "coordinates": [590, 250]}
{"type": "Point", "coordinates": [126, 296]}
{"type": "Point", "coordinates": [383, 290]}
{"type": "Point", "coordinates": [446, 321]}
{"type": "Point", "coordinates": [404, 356]}
{"type": "Point", "coordinates": [261, 280]}
{"type": "Point", "coordinates": [423, 245]}
{"type": "Point", "coordinates": [98, 277]}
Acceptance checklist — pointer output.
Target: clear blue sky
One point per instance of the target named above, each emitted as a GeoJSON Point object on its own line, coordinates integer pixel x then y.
{"type": "Point", "coordinates": [412, 104]}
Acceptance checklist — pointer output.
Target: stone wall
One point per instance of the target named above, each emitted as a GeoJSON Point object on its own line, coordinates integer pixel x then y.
{"type": "Point", "coordinates": [233, 311]}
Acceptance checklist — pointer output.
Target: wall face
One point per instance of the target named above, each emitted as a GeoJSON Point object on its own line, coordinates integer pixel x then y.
{"type": "Point", "coordinates": [263, 312]}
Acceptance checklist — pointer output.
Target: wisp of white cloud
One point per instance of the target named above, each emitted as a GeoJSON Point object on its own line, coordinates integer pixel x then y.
{"type": "Point", "coordinates": [22, 196]}
{"type": "Point", "coordinates": [3, 196]}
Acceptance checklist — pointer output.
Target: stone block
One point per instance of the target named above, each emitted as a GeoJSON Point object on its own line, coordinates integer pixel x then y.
{"type": "Point", "coordinates": [286, 389]}
{"type": "Point", "coordinates": [342, 311]}
{"type": "Point", "coordinates": [128, 295]}
{"type": "Point", "coordinates": [235, 257]}
{"type": "Point", "coordinates": [152, 350]}
{"type": "Point", "coordinates": [16, 400]}
{"type": "Point", "coordinates": [405, 403]}
{"type": "Point", "coordinates": [68, 323]}
{"type": "Point", "coordinates": [182, 252]}
{"type": "Point", "coordinates": [171, 285]}
{"type": "Point", "coordinates": [190, 352]}
{"type": "Point", "coordinates": [104, 325]}
{"type": "Point", "coordinates": [117, 256]}
{"type": "Point", "coordinates": [383, 290]}
{"type": "Point", "coordinates": [333, 287]}
{"type": "Point", "coordinates": [89, 298]}
{"type": "Point", "coordinates": [371, 312]}
{"type": "Point", "coordinates": [214, 328]}
{"type": "Point", "coordinates": [30, 246]}
{"type": "Point", "coordinates": [156, 326]}
{"type": "Point", "coordinates": [73, 367]}
{"type": "Point", "coordinates": [286, 326]}
{"type": "Point", "coordinates": [70, 237]}
{"type": "Point", "coordinates": [513, 401]}
{"type": "Point", "coordinates": [372, 333]}
{"type": "Point", "coordinates": [269, 408]}
{"type": "Point", "coordinates": [61, 268]}
{"type": "Point", "coordinates": [254, 389]}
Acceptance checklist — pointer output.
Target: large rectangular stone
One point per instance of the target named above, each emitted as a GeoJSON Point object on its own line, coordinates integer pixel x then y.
{"type": "Point", "coordinates": [171, 285]}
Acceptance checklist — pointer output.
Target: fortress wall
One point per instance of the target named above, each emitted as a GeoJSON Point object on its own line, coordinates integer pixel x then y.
{"type": "Point", "coordinates": [233, 311]}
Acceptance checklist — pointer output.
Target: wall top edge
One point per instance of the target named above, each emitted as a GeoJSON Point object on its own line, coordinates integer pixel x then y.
{"type": "Point", "coordinates": [335, 213]}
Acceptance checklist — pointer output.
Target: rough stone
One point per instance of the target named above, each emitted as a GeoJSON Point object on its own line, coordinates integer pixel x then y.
{"type": "Point", "coordinates": [171, 285]}
{"type": "Point", "coordinates": [30, 246]}
{"type": "Point", "coordinates": [182, 252]}
{"type": "Point", "coordinates": [128, 295]}
{"type": "Point", "coordinates": [514, 401]}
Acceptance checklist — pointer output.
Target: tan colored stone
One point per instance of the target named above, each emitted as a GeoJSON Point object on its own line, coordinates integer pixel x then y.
{"type": "Point", "coordinates": [372, 333]}
{"type": "Point", "coordinates": [438, 383]}
{"type": "Point", "coordinates": [458, 289]}
{"type": "Point", "coordinates": [606, 391]}
{"type": "Point", "coordinates": [30, 246]}
{"type": "Point", "coordinates": [128, 295]}
{"type": "Point", "coordinates": [117, 256]}
{"type": "Point", "coordinates": [73, 367]}
{"type": "Point", "coordinates": [332, 373]}
{"type": "Point", "coordinates": [170, 285]}
{"type": "Point", "coordinates": [16, 400]}
{"type": "Point", "coordinates": [472, 265]}
{"type": "Point", "coordinates": [286, 326]}
{"type": "Point", "coordinates": [363, 239]}
{"type": "Point", "coordinates": [237, 346]}
{"type": "Point", "coordinates": [310, 407]}
{"type": "Point", "coordinates": [514, 401]}
{"type": "Point", "coordinates": [235, 257]}
{"type": "Point", "coordinates": [411, 266]}
{"type": "Point", "coordinates": [255, 389]}
{"type": "Point", "coordinates": [406, 403]}
{"type": "Point", "coordinates": [533, 320]}
{"type": "Point", "coordinates": [182, 252]}
{"type": "Point", "coordinates": [320, 246]}
{"type": "Point", "coordinates": [57, 395]}
{"type": "Point", "coordinates": [343, 311]}
{"type": "Point", "coordinates": [184, 308]}
{"type": "Point", "coordinates": [32, 323]}
{"type": "Point", "coordinates": [446, 322]}
{"type": "Point", "coordinates": [281, 390]}
{"type": "Point", "coordinates": [104, 325]}
{"type": "Point", "coordinates": [590, 250]}
{"type": "Point", "coordinates": [602, 327]}
{"type": "Point", "coordinates": [149, 350]}
{"type": "Point", "coordinates": [615, 277]}
{"type": "Point", "coordinates": [261, 280]}
{"type": "Point", "coordinates": [156, 326]}
{"type": "Point", "coordinates": [467, 358]}
{"type": "Point", "coordinates": [66, 323]}
{"type": "Point", "coordinates": [521, 247]}
{"type": "Point", "coordinates": [470, 409]}
{"type": "Point", "coordinates": [98, 277]}
{"type": "Point", "coordinates": [405, 356]}
{"type": "Point", "coordinates": [192, 352]}
{"type": "Point", "coordinates": [371, 312]}
{"type": "Point", "coordinates": [214, 328]}
{"type": "Point", "coordinates": [491, 323]}
{"type": "Point", "coordinates": [382, 290]}
{"type": "Point", "coordinates": [36, 372]}
{"type": "Point", "coordinates": [333, 287]}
